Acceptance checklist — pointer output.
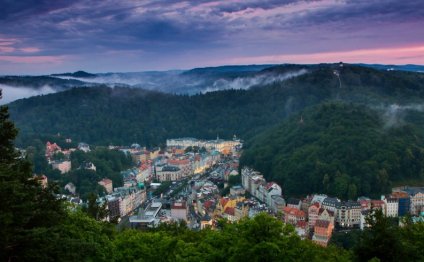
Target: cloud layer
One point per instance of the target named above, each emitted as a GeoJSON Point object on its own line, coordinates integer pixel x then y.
{"type": "Point", "coordinates": [56, 36]}
{"type": "Point", "coordinates": [12, 93]}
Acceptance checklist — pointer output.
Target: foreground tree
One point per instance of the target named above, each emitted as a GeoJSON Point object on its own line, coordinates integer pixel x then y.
{"type": "Point", "coordinates": [25, 206]}
{"type": "Point", "coordinates": [382, 240]}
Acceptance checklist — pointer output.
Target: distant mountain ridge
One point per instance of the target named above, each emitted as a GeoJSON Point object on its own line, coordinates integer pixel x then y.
{"type": "Point", "coordinates": [80, 74]}
{"type": "Point", "coordinates": [125, 115]}
{"type": "Point", "coordinates": [193, 81]}
{"type": "Point", "coordinates": [410, 68]}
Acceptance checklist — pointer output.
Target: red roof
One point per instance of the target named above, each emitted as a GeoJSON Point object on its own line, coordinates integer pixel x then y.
{"type": "Point", "coordinates": [301, 224]}
{"type": "Point", "coordinates": [294, 211]}
{"type": "Point", "coordinates": [179, 205]}
{"type": "Point", "coordinates": [322, 223]}
{"type": "Point", "coordinates": [207, 204]}
{"type": "Point", "coordinates": [229, 211]}
{"type": "Point", "coordinates": [106, 181]}
{"type": "Point", "coordinates": [331, 213]}
{"type": "Point", "coordinates": [377, 203]}
{"type": "Point", "coordinates": [177, 162]}
{"type": "Point", "coordinates": [316, 204]}
{"type": "Point", "coordinates": [224, 201]}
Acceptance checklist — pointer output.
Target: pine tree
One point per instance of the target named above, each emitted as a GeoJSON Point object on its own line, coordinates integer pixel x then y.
{"type": "Point", "coordinates": [26, 208]}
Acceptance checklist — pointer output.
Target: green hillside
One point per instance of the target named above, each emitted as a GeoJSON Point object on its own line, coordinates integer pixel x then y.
{"type": "Point", "coordinates": [122, 115]}
{"type": "Point", "coordinates": [339, 149]}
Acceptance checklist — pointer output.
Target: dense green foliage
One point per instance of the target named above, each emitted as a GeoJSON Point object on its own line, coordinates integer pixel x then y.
{"type": "Point", "coordinates": [26, 209]}
{"type": "Point", "coordinates": [339, 149]}
{"type": "Point", "coordinates": [123, 115]}
{"type": "Point", "coordinates": [262, 238]}
{"type": "Point", "coordinates": [109, 164]}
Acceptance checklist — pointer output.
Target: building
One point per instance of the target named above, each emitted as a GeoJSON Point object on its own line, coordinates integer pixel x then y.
{"type": "Point", "coordinates": [251, 180]}
{"type": "Point", "coordinates": [140, 156]}
{"type": "Point", "coordinates": [168, 173]}
{"type": "Point", "coordinates": [229, 214]}
{"type": "Point", "coordinates": [147, 218]}
{"type": "Point", "coordinates": [179, 210]}
{"type": "Point", "coordinates": [223, 146]}
{"type": "Point", "coordinates": [293, 215]}
{"type": "Point", "coordinates": [183, 164]}
{"type": "Point", "coordinates": [130, 198]}
{"type": "Point", "coordinates": [331, 203]}
{"type": "Point", "coordinates": [313, 213]}
{"type": "Point", "coordinates": [88, 166]}
{"type": "Point", "coordinates": [271, 189]}
{"type": "Point", "coordinates": [326, 215]}
{"type": "Point", "coordinates": [294, 203]}
{"type": "Point", "coordinates": [403, 202]}
{"type": "Point", "coordinates": [183, 142]}
{"type": "Point", "coordinates": [318, 198]}
{"type": "Point", "coordinates": [416, 196]}
{"type": "Point", "coordinates": [379, 204]}
{"type": "Point", "coordinates": [51, 149]}
{"type": "Point", "coordinates": [277, 204]}
{"type": "Point", "coordinates": [84, 147]}
{"type": "Point", "coordinates": [241, 210]}
{"type": "Point", "coordinates": [322, 232]}
{"type": "Point", "coordinates": [206, 222]}
{"type": "Point", "coordinates": [70, 187]}
{"type": "Point", "coordinates": [256, 185]}
{"type": "Point", "coordinates": [363, 221]}
{"type": "Point", "coordinates": [144, 172]}
{"type": "Point", "coordinates": [348, 214]}
{"type": "Point", "coordinates": [42, 180]}
{"type": "Point", "coordinates": [107, 184]}
{"type": "Point", "coordinates": [113, 207]}
{"type": "Point", "coordinates": [392, 206]}
{"type": "Point", "coordinates": [62, 166]}
{"type": "Point", "coordinates": [237, 190]}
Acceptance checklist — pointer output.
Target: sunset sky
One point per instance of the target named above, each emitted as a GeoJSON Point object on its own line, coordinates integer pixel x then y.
{"type": "Point", "coordinates": [45, 36]}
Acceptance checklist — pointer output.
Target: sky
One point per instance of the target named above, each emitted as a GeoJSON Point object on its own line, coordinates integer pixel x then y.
{"type": "Point", "coordinates": [44, 36]}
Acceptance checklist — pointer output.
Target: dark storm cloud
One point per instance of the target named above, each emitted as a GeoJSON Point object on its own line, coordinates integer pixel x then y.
{"type": "Point", "coordinates": [166, 29]}
{"type": "Point", "coordinates": [20, 9]}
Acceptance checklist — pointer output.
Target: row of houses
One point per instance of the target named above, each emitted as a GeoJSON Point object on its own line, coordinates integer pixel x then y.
{"type": "Point", "coordinates": [124, 200]}
{"type": "Point", "coordinates": [223, 146]}
{"type": "Point", "coordinates": [269, 193]}
{"type": "Point", "coordinates": [179, 166]}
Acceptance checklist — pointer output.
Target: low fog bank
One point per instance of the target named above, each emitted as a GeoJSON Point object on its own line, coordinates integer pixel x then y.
{"type": "Point", "coordinates": [12, 93]}
{"type": "Point", "coordinates": [394, 114]}
{"type": "Point", "coordinates": [248, 82]}
{"type": "Point", "coordinates": [175, 82]}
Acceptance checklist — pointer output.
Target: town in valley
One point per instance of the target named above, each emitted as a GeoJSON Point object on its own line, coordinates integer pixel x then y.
{"type": "Point", "coordinates": [200, 182]}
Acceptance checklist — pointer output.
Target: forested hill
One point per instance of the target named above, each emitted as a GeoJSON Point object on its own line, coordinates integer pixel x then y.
{"type": "Point", "coordinates": [122, 116]}
{"type": "Point", "coordinates": [339, 149]}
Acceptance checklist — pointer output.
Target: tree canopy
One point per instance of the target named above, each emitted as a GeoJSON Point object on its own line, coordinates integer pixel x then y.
{"type": "Point", "coordinates": [340, 149]}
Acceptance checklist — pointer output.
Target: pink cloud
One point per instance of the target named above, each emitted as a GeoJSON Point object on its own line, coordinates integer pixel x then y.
{"type": "Point", "coordinates": [32, 59]}
{"type": "Point", "coordinates": [30, 49]}
{"type": "Point", "coordinates": [395, 55]}
{"type": "Point", "coordinates": [6, 49]}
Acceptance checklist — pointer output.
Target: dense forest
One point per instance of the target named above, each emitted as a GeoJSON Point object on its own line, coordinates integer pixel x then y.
{"type": "Point", "coordinates": [108, 163]}
{"type": "Point", "coordinates": [105, 115]}
{"type": "Point", "coordinates": [339, 149]}
{"type": "Point", "coordinates": [37, 226]}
